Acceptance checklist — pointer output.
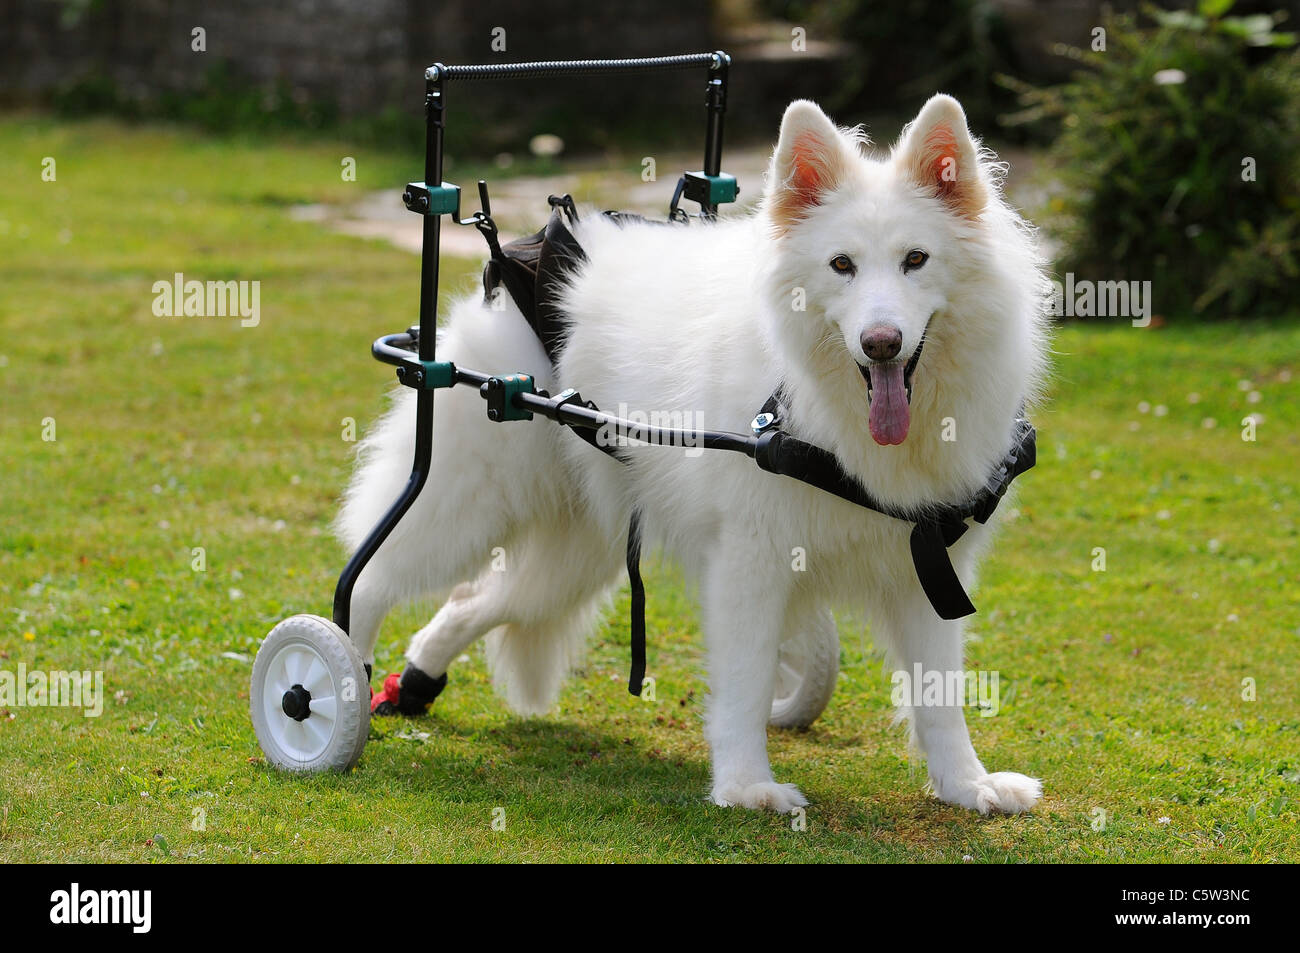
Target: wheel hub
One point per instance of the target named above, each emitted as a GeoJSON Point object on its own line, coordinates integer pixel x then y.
{"type": "Point", "coordinates": [296, 703]}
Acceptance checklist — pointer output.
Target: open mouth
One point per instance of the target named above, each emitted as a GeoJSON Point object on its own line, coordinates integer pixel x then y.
{"type": "Point", "coordinates": [889, 391]}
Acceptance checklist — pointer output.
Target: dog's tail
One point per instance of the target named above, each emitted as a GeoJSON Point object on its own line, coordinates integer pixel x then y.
{"type": "Point", "coordinates": [529, 663]}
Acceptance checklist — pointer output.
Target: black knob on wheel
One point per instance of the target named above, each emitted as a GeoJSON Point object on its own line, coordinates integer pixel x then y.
{"type": "Point", "coordinates": [296, 703]}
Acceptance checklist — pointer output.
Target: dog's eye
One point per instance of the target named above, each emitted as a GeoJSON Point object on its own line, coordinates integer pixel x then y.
{"type": "Point", "coordinates": [843, 264]}
{"type": "Point", "coordinates": [915, 259]}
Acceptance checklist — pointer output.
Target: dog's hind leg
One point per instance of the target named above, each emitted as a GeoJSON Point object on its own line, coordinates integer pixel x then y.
{"type": "Point", "coordinates": [472, 501]}
{"type": "Point", "coordinates": [536, 603]}
{"type": "Point", "coordinates": [472, 609]}
{"type": "Point", "coordinates": [415, 562]}
{"type": "Point", "coordinates": [444, 538]}
{"type": "Point", "coordinates": [920, 640]}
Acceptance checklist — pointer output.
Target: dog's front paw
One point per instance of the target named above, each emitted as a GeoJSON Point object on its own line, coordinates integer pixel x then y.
{"type": "Point", "coordinates": [762, 796]}
{"type": "Point", "coordinates": [1004, 791]}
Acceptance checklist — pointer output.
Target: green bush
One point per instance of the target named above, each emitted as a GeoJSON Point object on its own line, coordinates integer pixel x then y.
{"type": "Point", "coordinates": [1178, 155]}
{"type": "Point", "coordinates": [224, 102]}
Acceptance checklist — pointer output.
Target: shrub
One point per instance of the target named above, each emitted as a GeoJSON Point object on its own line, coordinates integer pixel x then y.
{"type": "Point", "coordinates": [1178, 154]}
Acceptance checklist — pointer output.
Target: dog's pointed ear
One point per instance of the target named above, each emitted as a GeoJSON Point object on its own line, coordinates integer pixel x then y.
{"type": "Point", "coordinates": [810, 160]}
{"type": "Point", "coordinates": [937, 154]}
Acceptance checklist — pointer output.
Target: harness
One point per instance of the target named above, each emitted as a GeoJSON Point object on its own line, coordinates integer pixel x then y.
{"type": "Point", "coordinates": [532, 270]}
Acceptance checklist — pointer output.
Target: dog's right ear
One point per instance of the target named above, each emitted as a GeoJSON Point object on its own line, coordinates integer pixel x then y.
{"type": "Point", "coordinates": [811, 159]}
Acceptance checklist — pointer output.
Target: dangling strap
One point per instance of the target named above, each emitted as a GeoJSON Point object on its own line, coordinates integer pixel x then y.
{"type": "Point", "coordinates": [534, 269]}
{"type": "Point", "coordinates": [929, 542]}
{"type": "Point", "coordinates": [637, 615]}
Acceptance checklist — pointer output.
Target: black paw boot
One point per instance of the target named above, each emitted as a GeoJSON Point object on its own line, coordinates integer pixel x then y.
{"type": "Point", "coordinates": [411, 695]}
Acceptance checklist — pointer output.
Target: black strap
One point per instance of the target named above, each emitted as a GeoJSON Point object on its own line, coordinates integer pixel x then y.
{"type": "Point", "coordinates": [515, 266]}
{"type": "Point", "coordinates": [934, 530]}
{"type": "Point", "coordinates": [778, 452]}
{"type": "Point", "coordinates": [560, 254]}
{"type": "Point", "coordinates": [533, 269]}
{"type": "Point", "coordinates": [637, 621]}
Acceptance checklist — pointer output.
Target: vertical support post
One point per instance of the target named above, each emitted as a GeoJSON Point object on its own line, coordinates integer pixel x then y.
{"type": "Point", "coordinates": [434, 125]}
{"type": "Point", "coordinates": [428, 333]}
{"type": "Point", "coordinates": [715, 101]}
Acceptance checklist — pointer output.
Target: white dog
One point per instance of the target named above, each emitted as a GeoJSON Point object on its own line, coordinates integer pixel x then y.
{"type": "Point", "coordinates": [847, 263]}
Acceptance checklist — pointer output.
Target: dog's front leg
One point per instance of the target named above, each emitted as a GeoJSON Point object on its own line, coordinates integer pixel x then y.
{"type": "Point", "coordinates": [929, 654]}
{"type": "Point", "coordinates": [744, 598]}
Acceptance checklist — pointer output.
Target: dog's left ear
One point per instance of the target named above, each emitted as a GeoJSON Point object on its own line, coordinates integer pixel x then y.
{"type": "Point", "coordinates": [938, 154]}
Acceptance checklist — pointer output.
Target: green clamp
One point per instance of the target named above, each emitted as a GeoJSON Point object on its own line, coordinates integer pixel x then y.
{"type": "Point", "coordinates": [438, 374]}
{"type": "Point", "coordinates": [711, 189]}
{"type": "Point", "coordinates": [430, 375]}
{"type": "Point", "coordinates": [499, 392]}
{"type": "Point", "coordinates": [433, 200]}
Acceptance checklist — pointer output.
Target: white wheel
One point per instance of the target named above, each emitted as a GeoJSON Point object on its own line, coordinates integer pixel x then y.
{"type": "Point", "coordinates": [807, 667]}
{"type": "Point", "coordinates": [309, 696]}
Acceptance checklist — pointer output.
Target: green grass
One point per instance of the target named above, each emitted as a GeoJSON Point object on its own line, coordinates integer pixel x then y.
{"type": "Point", "coordinates": [1124, 687]}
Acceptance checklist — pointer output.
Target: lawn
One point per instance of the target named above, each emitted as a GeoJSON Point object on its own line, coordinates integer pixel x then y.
{"type": "Point", "coordinates": [1124, 689]}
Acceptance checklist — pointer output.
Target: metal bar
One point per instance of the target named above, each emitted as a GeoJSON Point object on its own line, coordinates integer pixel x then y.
{"type": "Point", "coordinates": [440, 72]}
{"type": "Point", "coordinates": [715, 100]}
{"type": "Point", "coordinates": [391, 350]}
{"type": "Point", "coordinates": [575, 415]}
{"type": "Point", "coordinates": [428, 334]}
{"type": "Point", "coordinates": [396, 349]}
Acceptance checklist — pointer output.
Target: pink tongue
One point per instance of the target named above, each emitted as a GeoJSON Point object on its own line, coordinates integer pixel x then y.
{"type": "Point", "coordinates": [890, 415]}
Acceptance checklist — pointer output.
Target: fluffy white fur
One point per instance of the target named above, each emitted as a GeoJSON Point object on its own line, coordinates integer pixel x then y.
{"type": "Point", "coordinates": [701, 320]}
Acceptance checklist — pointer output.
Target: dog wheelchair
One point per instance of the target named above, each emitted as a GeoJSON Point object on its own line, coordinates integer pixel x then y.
{"type": "Point", "coordinates": [309, 693]}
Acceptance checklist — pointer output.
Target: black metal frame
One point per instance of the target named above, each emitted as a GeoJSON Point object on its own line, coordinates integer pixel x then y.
{"type": "Point", "coordinates": [566, 408]}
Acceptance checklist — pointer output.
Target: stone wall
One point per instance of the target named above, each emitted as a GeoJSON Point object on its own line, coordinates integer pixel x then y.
{"type": "Point", "coordinates": [362, 55]}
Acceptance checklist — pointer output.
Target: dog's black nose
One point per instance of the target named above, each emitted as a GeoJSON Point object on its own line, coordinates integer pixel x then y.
{"type": "Point", "coordinates": [882, 343]}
